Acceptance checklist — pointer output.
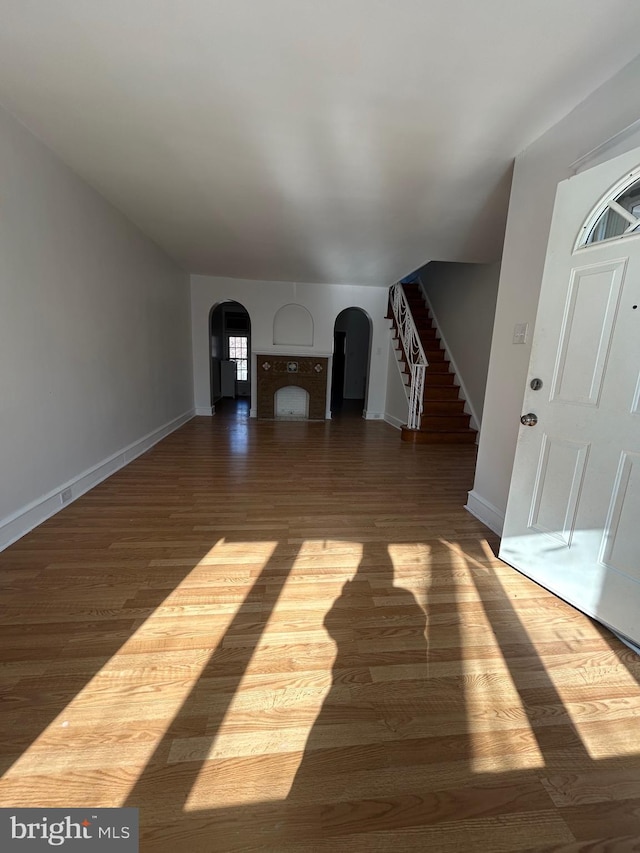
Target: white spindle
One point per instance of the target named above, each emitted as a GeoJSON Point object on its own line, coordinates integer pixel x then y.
{"type": "Point", "coordinates": [413, 353]}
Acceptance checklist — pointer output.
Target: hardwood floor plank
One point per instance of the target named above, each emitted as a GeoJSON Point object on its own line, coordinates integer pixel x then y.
{"type": "Point", "coordinates": [621, 844]}
{"type": "Point", "coordinates": [586, 821]}
{"type": "Point", "coordinates": [504, 835]}
{"type": "Point", "coordinates": [308, 646]}
{"type": "Point", "coordinates": [598, 786]}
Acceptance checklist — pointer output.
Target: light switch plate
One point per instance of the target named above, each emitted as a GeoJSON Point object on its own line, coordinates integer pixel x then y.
{"type": "Point", "coordinates": [520, 332]}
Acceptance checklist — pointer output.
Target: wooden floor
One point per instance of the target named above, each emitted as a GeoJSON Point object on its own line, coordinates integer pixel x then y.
{"type": "Point", "coordinates": [292, 637]}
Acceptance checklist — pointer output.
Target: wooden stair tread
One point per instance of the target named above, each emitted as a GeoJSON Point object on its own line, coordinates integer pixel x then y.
{"type": "Point", "coordinates": [444, 406]}
{"type": "Point", "coordinates": [444, 422]}
{"type": "Point", "coordinates": [441, 392]}
{"type": "Point", "coordinates": [447, 429]}
{"type": "Point", "coordinates": [423, 436]}
{"type": "Point", "coordinates": [438, 379]}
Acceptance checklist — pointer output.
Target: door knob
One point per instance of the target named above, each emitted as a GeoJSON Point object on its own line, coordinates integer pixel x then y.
{"type": "Point", "coordinates": [529, 419]}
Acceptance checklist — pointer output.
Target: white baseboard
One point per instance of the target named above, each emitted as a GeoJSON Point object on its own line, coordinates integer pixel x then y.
{"type": "Point", "coordinates": [205, 411]}
{"type": "Point", "coordinates": [485, 512]}
{"type": "Point", "coordinates": [373, 416]}
{"type": "Point", "coordinates": [394, 422]}
{"type": "Point", "coordinates": [14, 526]}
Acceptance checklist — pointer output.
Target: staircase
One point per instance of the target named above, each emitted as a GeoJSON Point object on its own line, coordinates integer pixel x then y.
{"type": "Point", "coordinates": [443, 419]}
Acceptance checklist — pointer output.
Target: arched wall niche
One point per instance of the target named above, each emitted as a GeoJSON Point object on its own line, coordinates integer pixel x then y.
{"type": "Point", "coordinates": [293, 326]}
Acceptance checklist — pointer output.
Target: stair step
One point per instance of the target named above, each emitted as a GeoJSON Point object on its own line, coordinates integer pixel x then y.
{"type": "Point", "coordinates": [435, 368]}
{"type": "Point", "coordinates": [440, 392]}
{"type": "Point", "coordinates": [441, 422]}
{"type": "Point", "coordinates": [424, 436]}
{"type": "Point", "coordinates": [448, 407]}
{"type": "Point", "coordinates": [433, 378]}
{"type": "Point", "coordinates": [434, 355]}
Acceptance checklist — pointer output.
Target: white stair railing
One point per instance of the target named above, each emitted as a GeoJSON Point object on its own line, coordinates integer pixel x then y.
{"type": "Point", "coordinates": [412, 351]}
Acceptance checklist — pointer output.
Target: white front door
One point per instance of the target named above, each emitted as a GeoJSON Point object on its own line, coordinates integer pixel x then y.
{"type": "Point", "coordinates": [573, 515]}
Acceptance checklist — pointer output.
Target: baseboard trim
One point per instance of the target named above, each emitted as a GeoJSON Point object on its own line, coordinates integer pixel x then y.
{"type": "Point", "coordinates": [205, 411]}
{"type": "Point", "coordinates": [394, 422]}
{"type": "Point", "coordinates": [485, 512]}
{"type": "Point", "coordinates": [16, 525]}
{"type": "Point", "coordinates": [373, 416]}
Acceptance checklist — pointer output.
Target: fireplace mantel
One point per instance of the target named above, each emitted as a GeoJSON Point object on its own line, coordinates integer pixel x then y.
{"type": "Point", "coordinates": [278, 371]}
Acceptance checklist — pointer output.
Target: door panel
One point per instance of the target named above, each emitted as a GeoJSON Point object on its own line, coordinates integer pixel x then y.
{"type": "Point", "coordinates": [557, 488]}
{"type": "Point", "coordinates": [590, 311]}
{"type": "Point", "coordinates": [573, 515]}
{"type": "Point", "coordinates": [618, 550]}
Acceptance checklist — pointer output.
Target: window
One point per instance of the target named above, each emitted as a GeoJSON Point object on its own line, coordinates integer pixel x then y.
{"type": "Point", "coordinates": [239, 352]}
{"type": "Point", "coordinates": [618, 215]}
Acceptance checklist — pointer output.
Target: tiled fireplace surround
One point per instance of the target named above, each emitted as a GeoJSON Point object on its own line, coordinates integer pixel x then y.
{"type": "Point", "coordinates": [278, 371]}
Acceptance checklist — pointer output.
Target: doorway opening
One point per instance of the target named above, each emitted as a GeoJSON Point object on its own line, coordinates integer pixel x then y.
{"type": "Point", "coordinates": [351, 355]}
{"type": "Point", "coordinates": [230, 353]}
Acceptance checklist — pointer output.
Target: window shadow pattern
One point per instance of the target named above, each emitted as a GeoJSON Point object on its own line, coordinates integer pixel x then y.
{"type": "Point", "coordinates": [391, 761]}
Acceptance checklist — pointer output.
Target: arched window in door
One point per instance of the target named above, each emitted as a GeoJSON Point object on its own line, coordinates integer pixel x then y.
{"type": "Point", "coordinates": [616, 215]}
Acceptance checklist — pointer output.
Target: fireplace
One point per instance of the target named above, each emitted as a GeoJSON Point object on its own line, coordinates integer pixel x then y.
{"type": "Point", "coordinates": [275, 372]}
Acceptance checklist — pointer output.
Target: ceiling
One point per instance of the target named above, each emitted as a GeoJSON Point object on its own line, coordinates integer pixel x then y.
{"type": "Point", "coordinates": [306, 140]}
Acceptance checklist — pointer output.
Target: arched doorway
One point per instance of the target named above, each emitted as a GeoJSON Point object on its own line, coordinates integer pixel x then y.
{"type": "Point", "coordinates": [351, 352]}
{"type": "Point", "coordinates": [230, 353]}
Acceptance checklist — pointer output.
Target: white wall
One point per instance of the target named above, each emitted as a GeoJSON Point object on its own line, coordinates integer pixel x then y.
{"type": "Point", "coordinates": [537, 172]}
{"type": "Point", "coordinates": [94, 335]}
{"type": "Point", "coordinates": [263, 299]}
{"type": "Point", "coordinates": [463, 299]}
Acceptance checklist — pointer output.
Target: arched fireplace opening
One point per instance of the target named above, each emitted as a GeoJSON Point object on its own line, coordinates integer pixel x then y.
{"type": "Point", "coordinates": [291, 403]}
